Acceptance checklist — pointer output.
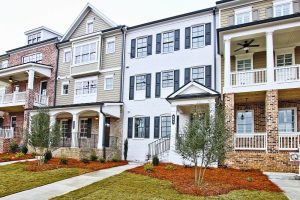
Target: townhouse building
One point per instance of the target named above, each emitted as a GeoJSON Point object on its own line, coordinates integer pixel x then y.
{"type": "Point", "coordinates": [170, 71]}
{"type": "Point", "coordinates": [259, 45]}
{"type": "Point", "coordinates": [27, 77]}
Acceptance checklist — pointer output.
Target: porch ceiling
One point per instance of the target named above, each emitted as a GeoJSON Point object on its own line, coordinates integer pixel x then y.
{"type": "Point", "coordinates": [289, 95]}
{"type": "Point", "coordinates": [12, 108]}
{"type": "Point", "coordinates": [187, 109]}
{"type": "Point", "coordinates": [250, 97]}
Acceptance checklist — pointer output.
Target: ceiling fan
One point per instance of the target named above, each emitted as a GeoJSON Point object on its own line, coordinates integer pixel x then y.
{"type": "Point", "coordinates": [246, 45]}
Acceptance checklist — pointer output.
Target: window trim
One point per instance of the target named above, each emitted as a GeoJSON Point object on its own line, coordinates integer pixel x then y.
{"type": "Point", "coordinates": [173, 71]}
{"type": "Point", "coordinates": [134, 131]}
{"type": "Point", "coordinates": [83, 80]}
{"type": "Point", "coordinates": [109, 40]}
{"type": "Point", "coordinates": [107, 77]}
{"type": "Point", "coordinates": [62, 88]}
{"type": "Point", "coordinates": [280, 3]}
{"type": "Point", "coordinates": [248, 56]}
{"type": "Point", "coordinates": [90, 21]}
{"type": "Point", "coordinates": [165, 115]}
{"type": "Point", "coordinates": [82, 44]}
{"type": "Point", "coordinates": [135, 86]}
{"type": "Point", "coordinates": [138, 38]}
{"type": "Point", "coordinates": [295, 118]}
{"type": "Point", "coordinates": [66, 51]}
{"type": "Point", "coordinates": [285, 51]}
{"type": "Point", "coordinates": [243, 11]}
{"type": "Point", "coordinates": [253, 121]}
{"type": "Point", "coordinates": [191, 33]}
{"type": "Point", "coordinates": [36, 53]}
{"type": "Point", "coordinates": [162, 42]}
{"type": "Point", "coordinates": [195, 67]}
{"type": "Point", "coordinates": [36, 37]}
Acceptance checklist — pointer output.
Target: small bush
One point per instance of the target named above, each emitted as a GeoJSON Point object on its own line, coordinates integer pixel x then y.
{"type": "Point", "coordinates": [149, 167]}
{"type": "Point", "coordinates": [63, 161]}
{"type": "Point", "coordinates": [23, 149]}
{"type": "Point", "coordinates": [170, 167]}
{"type": "Point", "coordinates": [13, 147]}
{"type": "Point", "coordinates": [250, 179]}
{"type": "Point", "coordinates": [48, 156]}
{"type": "Point", "coordinates": [19, 155]}
{"type": "Point", "coordinates": [5, 158]}
{"type": "Point", "coordinates": [93, 157]}
{"type": "Point", "coordinates": [102, 160]}
{"type": "Point", "coordinates": [115, 159]}
{"type": "Point", "coordinates": [33, 154]}
{"type": "Point", "coordinates": [155, 161]}
{"type": "Point", "coordinates": [84, 160]}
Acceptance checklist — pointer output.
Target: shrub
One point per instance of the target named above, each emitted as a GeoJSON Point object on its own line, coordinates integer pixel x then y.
{"type": "Point", "coordinates": [170, 167]}
{"type": "Point", "coordinates": [102, 160]}
{"type": "Point", "coordinates": [48, 156]}
{"type": "Point", "coordinates": [149, 167]}
{"type": "Point", "coordinates": [13, 147]}
{"type": "Point", "coordinates": [115, 159]}
{"type": "Point", "coordinates": [33, 154]}
{"type": "Point", "coordinates": [125, 149]}
{"type": "Point", "coordinates": [93, 157]}
{"type": "Point", "coordinates": [250, 179]}
{"type": "Point", "coordinates": [19, 155]}
{"type": "Point", "coordinates": [63, 161]}
{"type": "Point", "coordinates": [5, 158]}
{"type": "Point", "coordinates": [23, 149]}
{"type": "Point", "coordinates": [155, 160]}
{"type": "Point", "coordinates": [84, 160]}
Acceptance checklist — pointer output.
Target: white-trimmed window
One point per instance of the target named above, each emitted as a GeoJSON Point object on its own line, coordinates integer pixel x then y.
{"type": "Point", "coordinates": [67, 55]}
{"type": "Point", "coordinates": [139, 127]}
{"type": "Point", "coordinates": [34, 38]}
{"type": "Point", "coordinates": [140, 82]}
{"type": "Point", "coordinates": [283, 7]}
{"type": "Point", "coordinates": [243, 65]}
{"type": "Point", "coordinates": [90, 26]}
{"type": "Point", "coordinates": [165, 126]}
{"type": "Point", "coordinates": [85, 53]}
{"type": "Point", "coordinates": [284, 59]}
{"type": "Point", "coordinates": [287, 120]}
{"type": "Point", "coordinates": [110, 45]}
{"type": "Point", "coordinates": [245, 122]}
{"type": "Point", "coordinates": [109, 82]}
{"type": "Point", "coordinates": [36, 58]}
{"type": "Point", "coordinates": [4, 64]}
{"type": "Point", "coordinates": [65, 88]}
{"type": "Point", "coordinates": [168, 41]}
{"type": "Point", "coordinates": [85, 87]}
{"type": "Point", "coordinates": [167, 79]}
{"type": "Point", "coordinates": [141, 47]}
{"type": "Point", "coordinates": [243, 15]}
{"type": "Point", "coordinates": [198, 74]}
{"type": "Point", "coordinates": [198, 36]}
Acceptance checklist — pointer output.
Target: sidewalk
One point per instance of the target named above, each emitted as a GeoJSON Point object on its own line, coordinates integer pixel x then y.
{"type": "Point", "coordinates": [65, 186]}
{"type": "Point", "coordinates": [16, 161]}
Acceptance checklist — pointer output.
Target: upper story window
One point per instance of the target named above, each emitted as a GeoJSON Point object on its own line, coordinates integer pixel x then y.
{"type": "Point", "coordinates": [167, 79]}
{"type": "Point", "coordinates": [67, 55]}
{"type": "Point", "coordinates": [36, 57]}
{"type": "Point", "coordinates": [243, 65]}
{"type": "Point", "coordinates": [198, 36]}
{"type": "Point", "coordinates": [141, 82]}
{"type": "Point", "coordinates": [142, 47]}
{"type": "Point", "coordinates": [34, 38]}
{"type": "Point", "coordinates": [65, 88]}
{"type": "Point", "coordinates": [198, 74]}
{"type": "Point", "coordinates": [168, 42]}
{"type": "Point", "coordinates": [90, 26]}
{"type": "Point", "coordinates": [284, 60]}
{"type": "Point", "coordinates": [243, 15]}
{"type": "Point", "coordinates": [109, 82]}
{"type": "Point", "coordinates": [85, 53]}
{"type": "Point", "coordinates": [283, 7]}
{"type": "Point", "coordinates": [4, 64]}
{"type": "Point", "coordinates": [110, 45]}
{"type": "Point", "coordinates": [86, 87]}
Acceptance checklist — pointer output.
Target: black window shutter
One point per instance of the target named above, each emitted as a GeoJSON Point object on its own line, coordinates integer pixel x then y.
{"type": "Point", "coordinates": [132, 53]}
{"type": "Point", "coordinates": [130, 128]}
{"type": "Point", "coordinates": [208, 34]}
{"type": "Point", "coordinates": [177, 126]}
{"type": "Point", "coordinates": [208, 76]}
{"type": "Point", "coordinates": [89, 128]}
{"type": "Point", "coordinates": [187, 75]}
{"type": "Point", "coordinates": [176, 80]}
{"type": "Point", "coordinates": [177, 40]}
{"type": "Point", "coordinates": [148, 86]}
{"type": "Point", "coordinates": [188, 37]}
{"type": "Point", "coordinates": [131, 88]}
{"type": "Point", "coordinates": [157, 84]}
{"type": "Point", "coordinates": [69, 133]}
{"type": "Point", "coordinates": [156, 127]}
{"type": "Point", "coordinates": [149, 45]}
{"type": "Point", "coordinates": [158, 43]}
{"type": "Point", "coordinates": [147, 127]}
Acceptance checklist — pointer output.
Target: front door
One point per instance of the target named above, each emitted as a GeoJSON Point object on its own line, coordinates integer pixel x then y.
{"type": "Point", "coordinates": [85, 127]}
{"type": "Point", "coordinates": [13, 122]}
{"type": "Point", "coordinates": [43, 88]}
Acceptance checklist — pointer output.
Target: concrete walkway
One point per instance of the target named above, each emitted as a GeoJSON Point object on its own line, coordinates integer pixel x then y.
{"type": "Point", "coordinates": [65, 186]}
{"type": "Point", "coordinates": [287, 182]}
{"type": "Point", "coordinates": [16, 161]}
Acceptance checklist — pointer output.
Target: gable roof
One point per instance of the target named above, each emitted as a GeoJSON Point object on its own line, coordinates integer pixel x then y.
{"type": "Point", "coordinates": [43, 28]}
{"type": "Point", "coordinates": [88, 7]}
{"type": "Point", "coordinates": [193, 89]}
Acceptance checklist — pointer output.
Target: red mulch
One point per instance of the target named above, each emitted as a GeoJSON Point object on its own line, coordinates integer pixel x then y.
{"type": "Point", "coordinates": [54, 163]}
{"type": "Point", "coordinates": [217, 180]}
{"type": "Point", "coordinates": [6, 157]}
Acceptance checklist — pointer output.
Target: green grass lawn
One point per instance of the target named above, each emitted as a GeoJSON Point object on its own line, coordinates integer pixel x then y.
{"type": "Point", "coordinates": [14, 179]}
{"type": "Point", "coordinates": [131, 186]}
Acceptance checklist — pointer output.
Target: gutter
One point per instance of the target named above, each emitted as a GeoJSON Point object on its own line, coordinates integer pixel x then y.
{"type": "Point", "coordinates": [124, 30]}
{"type": "Point", "coordinates": [215, 48]}
{"type": "Point", "coordinates": [103, 131]}
{"type": "Point", "coordinates": [56, 73]}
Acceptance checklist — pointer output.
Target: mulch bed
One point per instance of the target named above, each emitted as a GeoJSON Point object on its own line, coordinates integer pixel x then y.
{"type": "Point", "coordinates": [54, 163]}
{"type": "Point", "coordinates": [217, 180]}
{"type": "Point", "coordinates": [6, 157]}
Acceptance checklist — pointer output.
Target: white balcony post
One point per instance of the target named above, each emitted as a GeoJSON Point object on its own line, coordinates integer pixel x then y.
{"type": "Point", "coordinates": [30, 79]}
{"type": "Point", "coordinates": [75, 126]}
{"type": "Point", "coordinates": [212, 108]}
{"type": "Point", "coordinates": [101, 131]}
{"type": "Point", "coordinates": [270, 57]}
{"type": "Point", "coordinates": [227, 63]}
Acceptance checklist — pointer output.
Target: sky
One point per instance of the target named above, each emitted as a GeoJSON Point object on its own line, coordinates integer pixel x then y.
{"type": "Point", "coordinates": [18, 16]}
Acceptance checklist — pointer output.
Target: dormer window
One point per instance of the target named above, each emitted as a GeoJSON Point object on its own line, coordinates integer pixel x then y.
{"type": "Point", "coordinates": [90, 26]}
{"type": "Point", "coordinates": [283, 7]}
{"type": "Point", "coordinates": [34, 38]}
{"type": "Point", "coordinates": [243, 15]}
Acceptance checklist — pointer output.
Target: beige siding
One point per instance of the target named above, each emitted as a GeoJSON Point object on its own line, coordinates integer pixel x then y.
{"type": "Point", "coordinates": [259, 60]}
{"type": "Point", "coordinates": [99, 24]}
{"type": "Point", "coordinates": [65, 99]}
{"type": "Point", "coordinates": [63, 68]}
{"type": "Point", "coordinates": [297, 55]}
{"type": "Point", "coordinates": [260, 6]}
{"type": "Point", "coordinates": [81, 69]}
{"type": "Point", "coordinates": [114, 59]}
{"type": "Point", "coordinates": [109, 95]}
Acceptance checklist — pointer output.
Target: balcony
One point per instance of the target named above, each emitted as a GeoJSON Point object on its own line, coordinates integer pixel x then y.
{"type": "Point", "coordinates": [41, 100]}
{"type": "Point", "coordinates": [13, 99]}
{"type": "Point", "coordinates": [289, 141]}
{"type": "Point", "coordinates": [255, 141]}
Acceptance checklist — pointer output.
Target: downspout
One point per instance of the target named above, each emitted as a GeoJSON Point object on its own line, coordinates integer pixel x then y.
{"type": "Point", "coordinates": [56, 73]}
{"type": "Point", "coordinates": [124, 30]}
{"type": "Point", "coordinates": [215, 48]}
{"type": "Point", "coordinates": [103, 131]}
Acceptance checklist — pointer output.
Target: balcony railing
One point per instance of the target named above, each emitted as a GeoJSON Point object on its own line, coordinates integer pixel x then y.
{"type": "Point", "coordinates": [13, 98]}
{"type": "Point", "coordinates": [255, 141]}
{"type": "Point", "coordinates": [287, 74]}
{"type": "Point", "coordinates": [41, 100]}
{"type": "Point", "coordinates": [7, 132]}
{"type": "Point", "coordinates": [250, 77]}
{"type": "Point", "coordinates": [289, 141]}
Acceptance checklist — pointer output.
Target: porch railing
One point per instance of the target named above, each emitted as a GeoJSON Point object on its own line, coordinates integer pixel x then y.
{"type": "Point", "coordinates": [41, 100]}
{"type": "Point", "coordinates": [16, 97]}
{"type": "Point", "coordinates": [250, 77]}
{"type": "Point", "coordinates": [287, 74]}
{"type": "Point", "coordinates": [66, 141]}
{"type": "Point", "coordinates": [7, 132]}
{"type": "Point", "coordinates": [289, 141]}
{"type": "Point", "coordinates": [254, 141]}
{"type": "Point", "coordinates": [87, 141]}
{"type": "Point", "coordinates": [158, 147]}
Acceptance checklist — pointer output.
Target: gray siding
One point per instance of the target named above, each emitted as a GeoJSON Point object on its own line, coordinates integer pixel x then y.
{"type": "Point", "coordinates": [109, 95]}
{"type": "Point", "coordinates": [65, 99]}
{"type": "Point", "coordinates": [114, 59]}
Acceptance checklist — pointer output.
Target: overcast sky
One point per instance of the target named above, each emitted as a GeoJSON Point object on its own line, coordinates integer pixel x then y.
{"type": "Point", "coordinates": [18, 16]}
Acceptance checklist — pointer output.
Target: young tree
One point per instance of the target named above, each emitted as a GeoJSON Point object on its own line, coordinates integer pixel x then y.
{"type": "Point", "coordinates": [125, 149]}
{"type": "Point", "coordinates": [204, 140]}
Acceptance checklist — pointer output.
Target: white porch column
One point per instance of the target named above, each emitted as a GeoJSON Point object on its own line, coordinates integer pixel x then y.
{"type": "Point", "coordinates": [227, 63]}
{"type": "Point", "coordinates": [30, 79]}
{"type": "Point", "coordinates": [75, 125]}
{"type": "Point", "coordinates": [173, 129]}
{"type": "Point", "coordinates": [101, 131]}
{"type": "Point", "coordinates": [270, 57]}
{"type": "Point", "coordinates": [212, 107]}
